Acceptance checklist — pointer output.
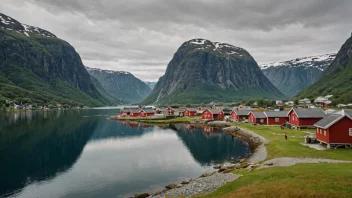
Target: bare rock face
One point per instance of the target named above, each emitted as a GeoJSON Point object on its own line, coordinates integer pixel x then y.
{"type": "Point", "coordinates": [205, 71]}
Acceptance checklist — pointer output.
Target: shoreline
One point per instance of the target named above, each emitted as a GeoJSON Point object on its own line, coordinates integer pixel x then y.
{"type": "Point", "coordinates": [209, 182]}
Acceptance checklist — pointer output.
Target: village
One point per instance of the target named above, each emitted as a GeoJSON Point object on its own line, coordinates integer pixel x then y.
{"type": "Point", "coordinates": [333, 127]}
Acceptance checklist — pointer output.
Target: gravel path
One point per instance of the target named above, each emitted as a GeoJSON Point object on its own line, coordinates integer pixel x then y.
{"type": "Point", "coordinates": [202, 185]}
{"type": "Point", "coordinates": [289, 161]}
{"type": "Point", "coordinates": [261, 153]}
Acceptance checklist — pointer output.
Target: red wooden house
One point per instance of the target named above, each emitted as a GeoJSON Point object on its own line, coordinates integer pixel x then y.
{"type": "Point", "coordinates": [212, 114]}
{"type": "Point", "coordinates": [190, 112]}
{"type": "Point", "coordinates": [276, 117]}
{"type": "Point", "coordinates": [146, 112]}
{"type": "Point", "coordinates": [134, 112]}
{"type": "Point", "coordinates": [302, 117]}
{"type": "Point", "coordinates": [239, 115]}
{"type": "Point", "coordinates": [257, 117]}
{"type": "Point", "coordinates": [335, 129]}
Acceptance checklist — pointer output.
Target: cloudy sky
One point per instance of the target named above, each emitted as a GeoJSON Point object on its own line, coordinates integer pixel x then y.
{"type": "Point", "coordinates": [141, 36]}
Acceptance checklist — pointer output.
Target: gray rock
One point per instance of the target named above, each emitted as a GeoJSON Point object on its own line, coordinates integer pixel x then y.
{"type": "Point", "coordinates": [171, 186]}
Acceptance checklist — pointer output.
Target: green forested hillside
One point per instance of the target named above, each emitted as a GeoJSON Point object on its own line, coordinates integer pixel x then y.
{"type": "Point", "coordinates": [37, 67]}
{"type": "Point", "coordinates": [336, 79]}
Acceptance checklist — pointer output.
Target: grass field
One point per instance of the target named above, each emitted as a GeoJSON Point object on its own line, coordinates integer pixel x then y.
{"type": "Point", "coordinates": [301, 180]}
{"type": "Point", "coordinates": [279, 147]}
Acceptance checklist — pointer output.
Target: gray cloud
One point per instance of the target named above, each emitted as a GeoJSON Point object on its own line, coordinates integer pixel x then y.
{"type": "Point", "coordinates": [142, 36]}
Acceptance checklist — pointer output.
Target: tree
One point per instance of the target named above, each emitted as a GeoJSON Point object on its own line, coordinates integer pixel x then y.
{"type": "Point", "coordinates": [296, 101]}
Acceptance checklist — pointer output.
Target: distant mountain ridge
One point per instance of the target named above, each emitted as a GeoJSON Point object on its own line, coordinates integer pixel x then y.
{"type": "Point", "coordinates": [38, 67]}
{"type": "Point", "coordinates": [150, 84]}
{"type": "Point", "coordinates": [121, 85]}
{"type": "Point", "coordinates": [292, 76]}
{"type": "Point", "coordinates": [336, 78]}
{"type": "Point", "coordinates": [202, 71]}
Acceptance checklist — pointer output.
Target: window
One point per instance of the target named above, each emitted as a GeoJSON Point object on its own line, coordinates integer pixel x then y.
{"type": "Point", "coordinates": [324, 132]}
{"type": "Point", "coordinates": [321, 131]}
{"type": "Point", "coordinates": [350, 131]}
{"type": "Point", "coordinates": [277, 119]}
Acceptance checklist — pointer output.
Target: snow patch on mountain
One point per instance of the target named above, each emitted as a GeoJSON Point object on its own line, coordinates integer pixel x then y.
{"type": "Point", "coordinates": [320, 62]}
{"type": "Point", "coordinates": [11, 24]}
{"type": "Point", "coordinates": [223, 48]}
{"type": "Point", "coordinates": [107, 71]}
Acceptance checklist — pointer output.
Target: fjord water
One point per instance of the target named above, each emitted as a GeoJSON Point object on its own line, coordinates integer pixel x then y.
{"type": "Point", "coordinates": [80, 153]}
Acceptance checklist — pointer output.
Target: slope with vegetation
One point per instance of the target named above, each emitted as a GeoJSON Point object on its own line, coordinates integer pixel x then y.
{"type": "Point", "coordinates": [37, 67]}
{"type": "Point", "coordinates": [336, 79]}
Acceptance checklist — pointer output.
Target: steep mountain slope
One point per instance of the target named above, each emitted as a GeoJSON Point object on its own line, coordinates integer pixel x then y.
{"type": "Point", "coordinates": [205, 71]}
{"type": "Point", "coordinates": [36, 66]}
{"type": "Point", "coordinates": [292, 76]}
{"type": "Point", "coordinates": [336, 79]}
{"type": "Point", "coordinates": [150, 84]}
{"type": "Point", "coordinates": [121, 85]}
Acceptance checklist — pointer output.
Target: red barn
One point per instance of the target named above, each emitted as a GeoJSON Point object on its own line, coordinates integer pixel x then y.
{"type": "Point", "coordinates": [335, 129]}
{"type": "Point", "coordinates": [276, 117]}
{"type": "Point", "coordinates": [302, 117]}
{"type": "Point", "coordinates": [146, 112]}
{"type": "Point", "coordinates": [212, 114]}
{"type": "Point", "coordinates": [134, 112]}
{"type": "Point", "coordinates": [190, 112]}
{"type": "Point", "coordinates": [257, 117]}
{"type": "Point", "coordinates": [239, 115]}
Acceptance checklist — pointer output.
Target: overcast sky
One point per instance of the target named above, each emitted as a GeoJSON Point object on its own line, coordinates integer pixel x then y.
{"type": "Point", "coordinates": [141, 36]}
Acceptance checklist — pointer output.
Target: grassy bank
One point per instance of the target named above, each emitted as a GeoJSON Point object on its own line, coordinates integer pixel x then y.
{"type": "Point", "coordinates": [302, 180]}
{"type": "Point", "coordinates": [279, 147]}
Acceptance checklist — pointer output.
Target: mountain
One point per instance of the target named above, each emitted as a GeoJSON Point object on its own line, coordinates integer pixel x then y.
{"type": "Point", "coordinates": [151, 84]}
{"type": "Point", "coordinates": [202, 71]}
{"type": "Point", "coordinates": [292, 76]}
{"type": "Point", "coordinates": [121, 85]}
{"type": "Point", "coordinates": [336, 78]}
{"type": "Point", "coordinates": [38, 67]}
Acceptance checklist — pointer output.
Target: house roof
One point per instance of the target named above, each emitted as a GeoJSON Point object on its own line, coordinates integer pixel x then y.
{"type": "Point", "coordinates": [308, 113]}
{"type": "Point", "coordinates": [191, 109]}
{"type": "Point", "coordinates": [135, 110]}
{"type": "Point", "coordinates": [276, 114]}
{"type": "Point", "coordinates": [148, 110]}
{"type": "Point", "coordinates": [328, 121]}
{"type": "Point", "coordinates": [214, 111]}
{"type": "Point", "coordinates": [242, 112]}
{"type": "Point", "coordinates": [258, 114]}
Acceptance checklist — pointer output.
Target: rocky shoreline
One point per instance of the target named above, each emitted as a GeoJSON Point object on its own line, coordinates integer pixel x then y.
{"type": "Point", "coordinates": [207, 183]}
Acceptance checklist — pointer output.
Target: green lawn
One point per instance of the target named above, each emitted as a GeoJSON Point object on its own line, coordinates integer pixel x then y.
{"type": "Point", "coordinates": [279, 147]}
{"type": "Point", "coordinates": [302, 180]}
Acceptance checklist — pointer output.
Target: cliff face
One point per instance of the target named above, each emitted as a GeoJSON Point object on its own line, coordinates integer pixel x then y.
{"type": "Point", "coordinates": [121, 85]}
{"type": "Point", "coordinates": [205, 71]}
{"type": "Point", "coordinates": [336, 78]}
{"type": "Point", "coordinates": [36, 60]}
{"type": "Point", "coordinates": [292, 76]}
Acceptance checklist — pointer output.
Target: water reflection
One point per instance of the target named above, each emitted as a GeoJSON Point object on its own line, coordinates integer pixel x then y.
{"type": "Point", "coordinates": [82, 154]}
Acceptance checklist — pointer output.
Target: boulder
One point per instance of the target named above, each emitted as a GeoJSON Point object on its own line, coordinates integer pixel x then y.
{"type": "Point", "coordinates": [179, 185]}
{"type": "Point", "coordinates": [217, 166]}
{"type": "Point", "coordinates": [205, 175]}
{"type": "Point", "coordinates": [243, 160]}
{"type": "Point", "coordinates": [171, 186]}
{"type": "Point", "coordinates": [269, 164]}
{"type": "Point", "coordinates": [223, 168]}
{"type": "Point", "coordinates": [142, 195]}
{"type": "Point", "coordinates": [186, 181]}
{"type": "Point", "coordinates": [244, 165]}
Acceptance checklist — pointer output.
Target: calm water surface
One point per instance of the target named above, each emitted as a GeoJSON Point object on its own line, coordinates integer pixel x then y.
{"type": "Point", "coordinates": [79, 153]}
